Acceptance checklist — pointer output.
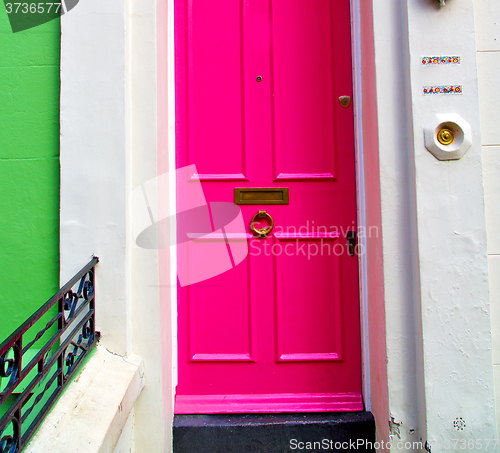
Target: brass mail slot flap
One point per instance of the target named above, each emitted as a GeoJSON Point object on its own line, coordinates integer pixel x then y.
{"type": "Point", "coordinates": [261, 195]}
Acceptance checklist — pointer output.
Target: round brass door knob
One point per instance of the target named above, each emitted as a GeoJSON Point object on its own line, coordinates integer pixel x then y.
{"type": "Point", "coordinates": [446, 136]}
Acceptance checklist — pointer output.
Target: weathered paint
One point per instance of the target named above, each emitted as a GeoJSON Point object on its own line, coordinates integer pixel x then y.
{"type": "Point", "coordinates": [29, 169]}
{"type": "Point", "coordinates": [453, 329]}
{"type": "Point", "coordinates": [487, 18]}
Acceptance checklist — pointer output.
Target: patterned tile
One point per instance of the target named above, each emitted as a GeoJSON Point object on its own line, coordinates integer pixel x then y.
{"type": "Point", "coordinates": [443, 59]}
{"type": "Point", "coordinates": [442, 89]}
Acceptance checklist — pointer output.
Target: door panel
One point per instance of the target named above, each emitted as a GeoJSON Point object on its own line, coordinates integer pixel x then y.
{"type": "Point", "coordinates": [307, 331]}
{"type": "Point", "coordinates": [216, 90]}
{"type": "Point", "coordinates": [211, 336]}
{"type": "Point", "coordinates": [302, 76]}
{"type": "Point", "coordinates": [257, 88]}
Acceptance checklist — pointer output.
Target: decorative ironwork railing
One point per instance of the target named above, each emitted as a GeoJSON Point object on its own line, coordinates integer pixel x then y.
{"type": "Point", "coordinates": [33, 370]}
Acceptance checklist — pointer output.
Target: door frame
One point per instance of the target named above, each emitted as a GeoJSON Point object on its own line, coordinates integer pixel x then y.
{"type": "Point", "coordinates": [167, 112]}
{"type": "Point", "coordinates": [360, 196]}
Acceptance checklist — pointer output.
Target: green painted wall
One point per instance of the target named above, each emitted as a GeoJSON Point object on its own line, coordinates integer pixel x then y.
{"type": "Point", "coordinates": [29, 169]}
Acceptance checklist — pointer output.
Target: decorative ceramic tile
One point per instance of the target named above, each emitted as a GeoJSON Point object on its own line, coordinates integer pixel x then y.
{"type": "Point", "coordinates": [443, 89]}
{"type": "Point", "coordinates": [443, 59]}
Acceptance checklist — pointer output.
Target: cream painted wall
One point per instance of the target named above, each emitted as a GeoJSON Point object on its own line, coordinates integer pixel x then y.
{"type": "Point", "coordinates": [455, 340]}
{"type": "Point", "coordinates": [398, 218]}
{"type": "Point", "coordinates": [109, 95]}
{"type": "Point", "coordinates": [439, 361]}
{"type": "Point", "coordinates": [487, 16]}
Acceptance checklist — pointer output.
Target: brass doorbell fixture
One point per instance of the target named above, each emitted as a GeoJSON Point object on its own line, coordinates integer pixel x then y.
{"type": "Point", "coordinates": [448, 136]}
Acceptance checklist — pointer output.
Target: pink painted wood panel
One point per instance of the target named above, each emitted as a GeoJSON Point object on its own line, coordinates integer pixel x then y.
{"type": "Point", "coordinates": [220, 330]}
{"type": "Point", "coordinates": [279, 402]}
{"type": "Point", "coordinates": [216, 85]}
{"type": "Point", "coordinates": [306, 332]}
{"type": "Point", "coordinates": [280, 331]}
{"type": "Point", "coordinates": [303, 81]}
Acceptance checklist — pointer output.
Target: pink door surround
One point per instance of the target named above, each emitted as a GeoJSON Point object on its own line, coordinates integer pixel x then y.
{"type": "Point", "coordinates": [257, 106]}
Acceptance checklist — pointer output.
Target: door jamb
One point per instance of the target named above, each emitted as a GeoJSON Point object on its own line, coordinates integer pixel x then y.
{"type": "Point", "coordinates": [361, 197]}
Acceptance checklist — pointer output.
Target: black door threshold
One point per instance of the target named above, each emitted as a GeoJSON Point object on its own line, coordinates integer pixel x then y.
{"type": "Point", "coordinates": [274, 433]}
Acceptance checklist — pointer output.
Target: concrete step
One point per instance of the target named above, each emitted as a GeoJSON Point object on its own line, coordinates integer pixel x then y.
{"type": "Point", "coordinates": [274, 433]}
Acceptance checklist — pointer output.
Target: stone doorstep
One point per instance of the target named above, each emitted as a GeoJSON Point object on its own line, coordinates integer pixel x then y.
{"type": "Point", "coordinates": [273, 433]}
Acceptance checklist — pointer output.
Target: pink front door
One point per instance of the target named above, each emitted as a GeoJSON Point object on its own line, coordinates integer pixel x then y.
{"type": "Point", "coordinates": [257, 94]}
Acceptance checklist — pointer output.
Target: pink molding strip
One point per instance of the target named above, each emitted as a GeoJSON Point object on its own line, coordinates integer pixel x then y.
{"type": "Point", "coordinates": [318, 235]}
{"type": "Point", "coordinates": [310, 357]}
{"type": "Point", "coordinates": [219, 177]}
{"type": "Point", "coordinates": [219, 236]}
{"type": "Point", "coordinates": [222, 358]}
{"type": "Point", "coordinates": [285, 176]}
{"type": "Point", "coordinates": [276, 402]}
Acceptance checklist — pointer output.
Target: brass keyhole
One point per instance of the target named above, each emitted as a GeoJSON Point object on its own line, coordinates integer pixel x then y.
{"type": "Point", "coordinates": [446, 136]}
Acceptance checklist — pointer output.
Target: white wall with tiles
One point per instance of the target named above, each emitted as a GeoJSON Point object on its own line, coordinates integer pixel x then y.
{"type": "Point", "coordinates": [487, 18]}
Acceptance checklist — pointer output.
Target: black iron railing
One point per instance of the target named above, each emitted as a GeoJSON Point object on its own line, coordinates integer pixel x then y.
{"type": "Point", "coordinates": [34, 370]}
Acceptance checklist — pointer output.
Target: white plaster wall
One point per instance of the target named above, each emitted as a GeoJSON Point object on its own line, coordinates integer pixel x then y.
{"type": "Point", "coordinates": [487, 16]}
{"type": "Point", "coordinates": [109, 147]}
{"type": "Point", "coordinates": [439, 358]}
{"type": "Point", "coordinates": [126, 442]}
{"type": "Point", "coordinates": [93, 159]}
{"type": "Point", "coordinates": [455, 341]}
{"type": "Point", "coordinates": [151, 331]}
{"type": "Point", "coordinates": [398, 217]}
